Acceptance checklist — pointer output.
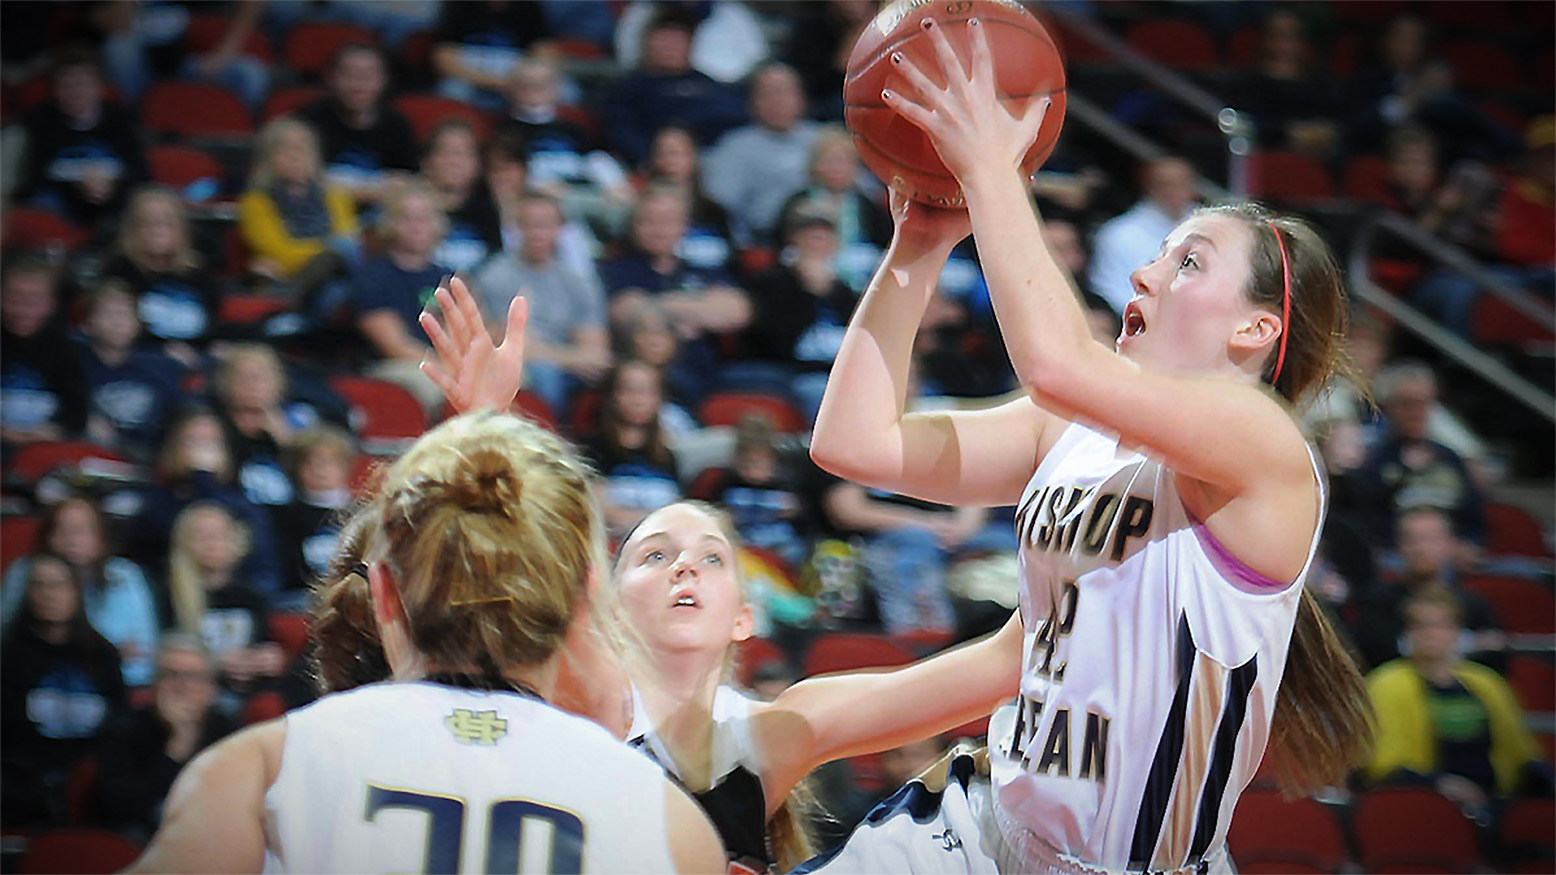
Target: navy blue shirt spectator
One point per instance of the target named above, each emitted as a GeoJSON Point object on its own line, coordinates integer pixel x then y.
{"type": "Point", "coordinates": [176, 301]}
{"type": "Point", "coordinates": [42, 386]}
{"type": "Point", "coordinates": [452, 164]}
{"type": "Point", "coordinates": [628, 447]}
{"type": "Point", "coordinates": [382, 284]}
{"type": "Point", "coordinates": [666, 90]}
{"type": "Point", "coordinates": [361, 137]}
{"type": "Point", "coordinates": [477, 45]}
{"type": "Point", "coordinates": [132, 391]}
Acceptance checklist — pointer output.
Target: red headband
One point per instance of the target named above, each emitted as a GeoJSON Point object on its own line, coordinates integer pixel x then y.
{"type": "Point", "coordinates": [1285, 299]}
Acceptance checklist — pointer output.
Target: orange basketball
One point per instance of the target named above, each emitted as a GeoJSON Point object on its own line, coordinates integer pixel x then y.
{"type": "Point", "coordinates": [1027, 67]}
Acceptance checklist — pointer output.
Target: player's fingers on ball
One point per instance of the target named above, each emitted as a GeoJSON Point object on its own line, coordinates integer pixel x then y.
{"type": "Point", "coordinates": [909, 110]}
{"type": "Point", "coordinates": [982, 56]}
{"type": "Point", "coordinates": [927, 90]}
{"type": "Point", "coordinates": [950, 64]}
{"type": "Point", "coordinates": [1032, 121]}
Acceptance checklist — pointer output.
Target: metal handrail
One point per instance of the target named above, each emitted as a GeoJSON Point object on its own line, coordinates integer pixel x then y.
{"type": "Point", "coordinates": [1100, 120]}
{"type": "Point", "coordinates": [1484, 366]}
{"type": "Point", "coordinates": [1464, 263]}
{"type": "Point", "coordinates": [1238, 128]}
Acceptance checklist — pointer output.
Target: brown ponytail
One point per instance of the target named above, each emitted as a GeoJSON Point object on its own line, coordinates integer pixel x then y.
{"type": "Point", "coordinates": [346, 650]}
{"type": "Point", "coordinates": [1323, 716]}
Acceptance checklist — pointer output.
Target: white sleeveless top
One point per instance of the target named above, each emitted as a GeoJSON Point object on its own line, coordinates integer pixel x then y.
{"type": "Point", "coordinates": [1150, 666]}
{"type": "Point", "coordinates": [422, 777]}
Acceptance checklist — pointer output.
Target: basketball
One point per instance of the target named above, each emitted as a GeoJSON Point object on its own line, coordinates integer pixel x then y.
{"type": "Point", "coordinates": [1027, 67]}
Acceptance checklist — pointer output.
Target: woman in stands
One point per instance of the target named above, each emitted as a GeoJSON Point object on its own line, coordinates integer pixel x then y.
{"type": "Point", "coordinates": [486, 551]}
{"type": "Point", "coordinates": [1168, 504]}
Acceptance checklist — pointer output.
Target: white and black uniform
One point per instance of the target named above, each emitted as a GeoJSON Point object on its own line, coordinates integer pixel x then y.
{"type": "Point", "coordinates": [423, 777]}
{"type": "Point", "coordinates": [735, 801]}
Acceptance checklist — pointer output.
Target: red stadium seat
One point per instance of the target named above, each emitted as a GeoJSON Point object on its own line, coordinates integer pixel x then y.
{"type": "Point", "coordinates": [1289, 177]}
{"type": "Point", "coordinates": [366, 471]}
{"type": "Point", "coordinates": [178, 166]}
{"type": "Point", "coordinates": [426, 111]}
{"type": "Point", "coordinates": [387, 417]}
{"type": "Point", "coordinates": [263, 706]}
{"type": "Point", "coordinates": [1530, 825]}
{"type": "Point", "coordinates": [1263, 865]}
{"type": "Point", "coordinates": [18, 536]}
{"type": "Point", "coordinates": [79, 851]}
{"type": "Point", "coordinates": [1511, 530]}
{"type": "Point", "coordinates": [206, 31]}
{"type": "Point", "coordinates": [283, 100]}
{"type": "Point", "coordinates": [846, 651]}
{"type": "Point", "coordinates": [923, 641]}
{"type": "Point", "coordinates": [1243, 51]}
{"type": "Point", "coordinates": [1482, 66]}
{"type": "Point", "coordinates": [754, 654]}
{"type": "Point", "coordinates": [240, 309]}
{"type": "Point", "coordinates": [1267, 824]}
{"type": "Point", "coordinates": [291, 632]}
{"type": "Point", "coordinates": [34, 460]}
{"type": "Point", "coordinates": [1411, 825]}
{"type": "Point", "coordinates": [311, 45]}
{"type": "Point", "coordinates": [727, 408]}
{"type": "Point", "coordinates": [1368, 11]}
{"type": "Point", "coordinates": [27, 228]}
{"type": "Point", "coordinates": [79, 789]}
{"type": "Point", "coordinates": [1414, 866]}
{"type": "Point", "coordinates": [1521, 606]}
{"type": "Point", "coordinates": [1459, 17]}
{"type": "Point", "coordinates": [1534, 682]}
{"type": "Point", "coordinates": [193, 110]}
{"type": "Point", "coordinates": [1494, 321]}
{"type": "Point", "coordinates": [1366, 180]}
{"type": "Point", "coordinates": [1180, 45]}
{"type": "Point", "coordinates": [525, 403]}
{"type": "Point", "coordinates": [1343, 54]}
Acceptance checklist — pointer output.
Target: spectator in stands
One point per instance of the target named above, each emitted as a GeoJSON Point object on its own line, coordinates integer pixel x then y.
{"type": "Point", "coordinates": [116, 598]}
{"type": "Point", "coordinates": [299, 229]}
{"type": "Point", "coordinates": [1446, 721]}
{"type": "Point", "coordinates": [673, 164]}
{"type": "Point", "coordinates": [1128, 241]}
{"type": "Point", "coordinates": [637, 468]}
{"type": "Point", "coordinates": [760, 496]}
{"type": "Point", "coordinates": [132, 391]}
{"type": "Point", "coordinates": [863, 225]}
{"type": "Point", "coordinates": [146, 42]}
{"type": "Point", "coordinates": [1413, 179]}
{"type": "Point", "coordinates": [1407, 468]}
{"type": "Point", "coordinates": [752, 170]}
{"type": "Point", "coordinates": [507, 176]}
{"type": "Point", "coordinates": [364, 140]}
{"type": "Point", "coordinates": [452, 163]}
{"type": "Point", "coordinates": [476, 47]}
{"type": "Point", "coordinates": [59, 680]}
{"type": "Point", "coordinates": [727, 41]}
{"type": "Point", "coordinates": [1428, 556]}
{"type": "Point", "coordinates": [83, 152]}
{"type": "Point", "coordinates": [393, 289]}
{"type": "Point", "coordinates": [800, 308]}
{"type": "Point", "coordinates": [1526, 217]}
{"type": "Point", "coordinates": [319, 462]}
{"type": "Point", "coordinates": [650, 338]}
{"type": "Point", "coordinates": [211, 598]}
{"type": "Point", "coordinates": [664, 89]}
{"type": "Point", "coordinates": [42, 387]}
{"type": "Point", "coordinates": [563, 159]}
{"type": "Point", "coordinates": [566, 342]}
{"type": "Point", "coordinates": [699, 301]}
{"type": "Point", "coordinates": [819, 45]}
{"type": "Point", "coordinates": [1346, 546]}
{"type": "Point", "coordinates": [176, 300]}
{"type": "Point", "coordinates": [196, 465]}
{"type": "Point", "coordinates": [1063, 238]}
{"type": "Point", "coordinates": [1290, 99]}
{"type": "Point", "coordinates": [250, 389]}
{"type": "Point", "coordinates": [143, 750]}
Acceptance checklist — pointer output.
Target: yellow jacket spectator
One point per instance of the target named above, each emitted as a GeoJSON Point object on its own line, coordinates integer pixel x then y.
{"type": "Point", "coordinates": [289, 216]}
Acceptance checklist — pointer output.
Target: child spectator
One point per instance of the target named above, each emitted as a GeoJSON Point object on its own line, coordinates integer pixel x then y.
{"type": "Point", "coordinates": [114, 593]}
{"type": "Point", "coordinates": [176, 301]}
{"type": "Point", "coordinates": [650, 338]}
{"type": "Point", "coordinates": [212, 600]}
{"type": "Point", "coordinates": [42, 387]}
{"type": "Point", "coordinates": [759, 495]}
{"type": "Point", "coordinates": [637, 468]}
{"type": "Point", "coordinates": [673, 164]}
{"type": "Point", "coordinates": [132, 391]}
{"type": "Point", "coordinates": [452, 163]}
{"type": "Point", "coordinates": [250, 388]}
{"type": "Point", "coordinates": [299, 228]}
{"type": "Point", "coordinates": [364, 140]}
{"type": "Point", "coordinates": [143, 750]}
{"type": "Point", "coordinates": [566, 344]}
{"type": "Point", "coordinates": [83, 152]}
{"type": "Point", "coordinates": [477, 45]}
{"type": "Point", "coordinates": [319, 462]}
{"type": "Point", "coordinates": [754, 169]}
{"type": "Point", "coordinates": [1449, 722]}
{"type": "Point", "coordinates": [507, 176]}
{"type": "Point", "coordinates": [863, 225]}
{"type": "Point", "coordinates": [59, 680]}
{"type": "Point", "coordinates": [393, 289]}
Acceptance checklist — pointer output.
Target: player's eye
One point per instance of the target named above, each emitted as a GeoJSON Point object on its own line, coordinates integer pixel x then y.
{"type": "Point", "coordinates": [1189, 261]}
{"type": "Point", "coordinates": [654, 556]}
{"type": "Point", "coordinates": [713, 559]}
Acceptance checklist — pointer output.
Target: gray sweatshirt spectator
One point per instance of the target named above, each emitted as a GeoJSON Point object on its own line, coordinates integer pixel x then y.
{"type": "Point", "coordinates": [752, 170]}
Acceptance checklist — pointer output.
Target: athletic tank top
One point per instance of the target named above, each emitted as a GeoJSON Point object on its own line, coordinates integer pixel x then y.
{"type": "Point", "coordinates": [1150, 666]}
{"type": "Point", "coordinates": [421, 777]}
{"type": "Point", "coordinates": [735, 802]}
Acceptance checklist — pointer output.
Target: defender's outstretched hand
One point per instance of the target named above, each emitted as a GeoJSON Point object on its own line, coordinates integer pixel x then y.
{"type": "Point", "coordinates": [965, 120]}
{"type": "Point", "coordinates": [474, 374]}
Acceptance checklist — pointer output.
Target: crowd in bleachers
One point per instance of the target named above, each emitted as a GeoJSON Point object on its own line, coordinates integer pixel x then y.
{"type": "Point", "coordinates": [223, 220]}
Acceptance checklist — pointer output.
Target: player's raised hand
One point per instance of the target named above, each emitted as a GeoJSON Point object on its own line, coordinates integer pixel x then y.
{"type": "Point", "coordinates": [472, 372]}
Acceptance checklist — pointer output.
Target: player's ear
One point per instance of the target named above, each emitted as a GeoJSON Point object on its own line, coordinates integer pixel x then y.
{"type": "Point", "coordinates": [745, 624]}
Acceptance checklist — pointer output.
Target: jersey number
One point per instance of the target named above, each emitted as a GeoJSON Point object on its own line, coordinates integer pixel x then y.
{"type": "Point", "coordinates": [505, 829]}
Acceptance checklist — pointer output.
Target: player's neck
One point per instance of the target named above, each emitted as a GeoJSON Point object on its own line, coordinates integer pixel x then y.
{"type": "Point", "coordinates": [541, 679]}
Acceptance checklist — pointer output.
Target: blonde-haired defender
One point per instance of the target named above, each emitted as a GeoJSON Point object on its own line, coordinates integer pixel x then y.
{"type": "Point", "coordinates": [484, 550]}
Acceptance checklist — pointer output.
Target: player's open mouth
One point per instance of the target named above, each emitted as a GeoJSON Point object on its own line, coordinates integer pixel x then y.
{"type": "Point", "coordinates": [1134, 321]}
{"type": "Point", "coordinates": [685, 599]}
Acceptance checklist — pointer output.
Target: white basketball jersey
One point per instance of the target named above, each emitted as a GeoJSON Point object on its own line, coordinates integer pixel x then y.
{"type": "Point", "coordinates": [421, 777]}
{"type": "Point", "coordinates": [1151, 662]}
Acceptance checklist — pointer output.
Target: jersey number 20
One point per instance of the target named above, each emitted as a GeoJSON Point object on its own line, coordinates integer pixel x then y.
{"type": "Point", "coordinates": [505, 828]}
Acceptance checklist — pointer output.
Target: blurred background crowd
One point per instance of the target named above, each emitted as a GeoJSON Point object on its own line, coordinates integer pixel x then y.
{"type": "Point", "coordinates": [222, 219]}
